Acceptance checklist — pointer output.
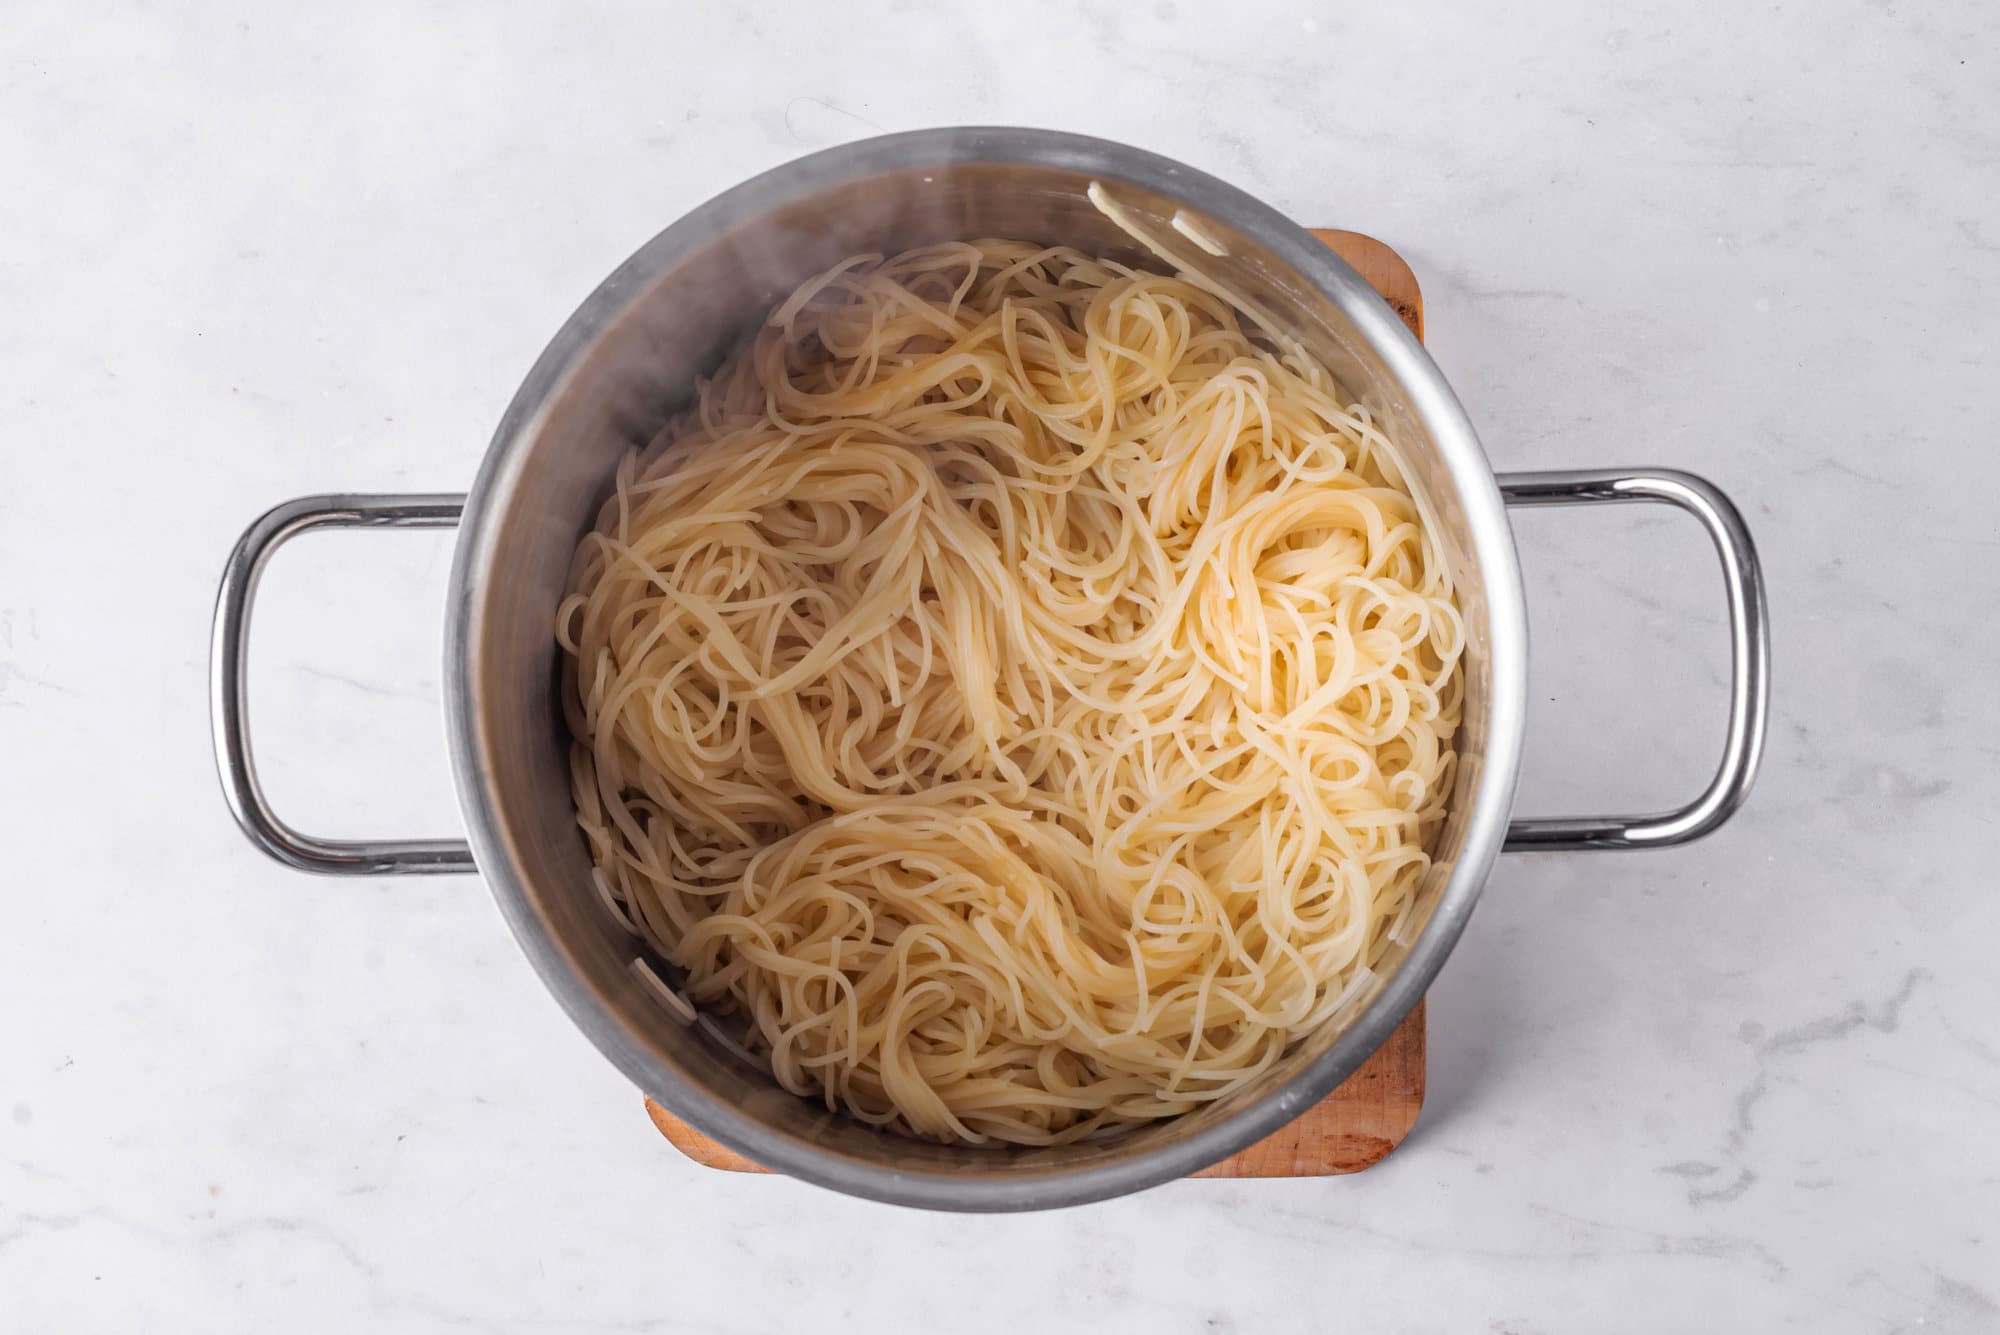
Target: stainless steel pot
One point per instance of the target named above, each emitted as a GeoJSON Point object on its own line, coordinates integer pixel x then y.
{"type": "Point", "coordinates": [630, 354]}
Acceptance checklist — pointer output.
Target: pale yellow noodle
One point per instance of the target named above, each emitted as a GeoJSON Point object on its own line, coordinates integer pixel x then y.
{"type": "Point", "coordinates": [1019, 691]}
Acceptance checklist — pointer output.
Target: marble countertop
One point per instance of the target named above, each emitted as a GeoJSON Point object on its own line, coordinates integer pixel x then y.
{"type": "Point", "coordinates": [247, 254]}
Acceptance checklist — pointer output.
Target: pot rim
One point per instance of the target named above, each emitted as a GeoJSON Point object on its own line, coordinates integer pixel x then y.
{"type": "Point", "coordinates": [1429, 398]}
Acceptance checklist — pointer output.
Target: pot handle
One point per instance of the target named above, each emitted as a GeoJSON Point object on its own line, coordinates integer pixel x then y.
{"type": "Point", "coordinates": [1749, 656]}
{"type": "Point", "coordinates": [229, 704]}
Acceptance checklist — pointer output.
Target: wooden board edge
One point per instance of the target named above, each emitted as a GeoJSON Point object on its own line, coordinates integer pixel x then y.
{"type": "Point", "coordinates": [696, 1146]}
{"type": "Point", "coordinates": [1354, 1128]}
{"type": "Point", "coordinates": [1385, 271]}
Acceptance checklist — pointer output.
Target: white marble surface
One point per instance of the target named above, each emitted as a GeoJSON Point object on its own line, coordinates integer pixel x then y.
{"type": "Point", "coordinates": [246, 254]}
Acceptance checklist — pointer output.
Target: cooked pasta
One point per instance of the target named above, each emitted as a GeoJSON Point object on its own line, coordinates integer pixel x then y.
{"type": "Point", "coordinates": [1019, 688]}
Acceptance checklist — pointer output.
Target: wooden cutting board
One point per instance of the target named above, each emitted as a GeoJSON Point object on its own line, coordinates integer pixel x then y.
{"type": "Point", "coordinates": [1357, 1125]}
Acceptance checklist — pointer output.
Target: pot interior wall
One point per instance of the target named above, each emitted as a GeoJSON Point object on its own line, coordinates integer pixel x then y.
{"type": "Point", "coordinates": [628, 358]}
